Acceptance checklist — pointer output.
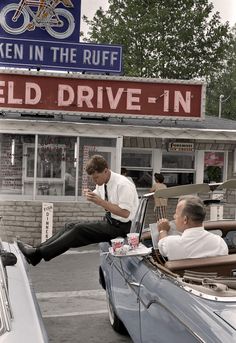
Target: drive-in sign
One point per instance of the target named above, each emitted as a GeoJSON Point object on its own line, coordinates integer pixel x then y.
{"type": "Point", "coordinates": [45, 34]}
{"type": "Point", "coordinates": [114, 96]}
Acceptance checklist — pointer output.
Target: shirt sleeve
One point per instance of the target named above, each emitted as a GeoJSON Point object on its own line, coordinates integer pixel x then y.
{"type": "Point", "coordinates": [162, 246]}
{"type": "Point", "coordinates": [224, 250]}
{"type": "Point", "coordinates": [126, 196]}
{"type": "Point", "coordinates": [171, 247]}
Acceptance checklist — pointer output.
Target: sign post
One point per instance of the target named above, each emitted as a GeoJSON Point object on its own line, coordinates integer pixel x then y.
{"type": "Point", "coordinates": [216, 211]}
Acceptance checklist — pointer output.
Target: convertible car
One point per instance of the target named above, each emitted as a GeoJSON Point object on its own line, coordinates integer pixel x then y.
{"type": "Point", "coordinates": [155, 300]}
{"type": "Point", "coordinates": [20, 316]}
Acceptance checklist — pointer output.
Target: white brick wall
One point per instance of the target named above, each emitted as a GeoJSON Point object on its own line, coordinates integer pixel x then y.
{"type": "Point", "coordinates": [22, 219]}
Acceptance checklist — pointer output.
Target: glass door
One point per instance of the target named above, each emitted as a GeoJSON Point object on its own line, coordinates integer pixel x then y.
{"type": "Point", "coordinates": [107, 152]}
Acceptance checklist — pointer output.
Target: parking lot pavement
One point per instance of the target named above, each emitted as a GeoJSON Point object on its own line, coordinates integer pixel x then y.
{"type": "Point", "coordinates": [72, 302]}
{"type": "Point", "coordinates": [82, 329]}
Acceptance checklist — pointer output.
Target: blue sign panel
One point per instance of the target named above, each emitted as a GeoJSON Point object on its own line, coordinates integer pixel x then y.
{"type": "Point", "coordinates": [60, 56]}
{"type": "Point", "coordinates": [45, 34]}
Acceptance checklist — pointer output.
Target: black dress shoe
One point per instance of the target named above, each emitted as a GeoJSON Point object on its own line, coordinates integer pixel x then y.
{"type": "Point", "coordinates": [8, 258]}
{"type": "Point", "coordinates": [31, 254]}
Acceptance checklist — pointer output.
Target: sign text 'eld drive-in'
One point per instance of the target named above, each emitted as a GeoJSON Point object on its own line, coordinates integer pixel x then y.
{"type": "Point", "coordinates": [111, 95]}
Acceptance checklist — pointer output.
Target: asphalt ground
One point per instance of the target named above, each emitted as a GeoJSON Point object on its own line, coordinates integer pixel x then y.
{"type": "Point", "coordinates": [71, 300]}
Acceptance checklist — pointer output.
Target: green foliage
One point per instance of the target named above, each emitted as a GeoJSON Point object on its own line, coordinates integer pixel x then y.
{"type": "Point", "coordinates": [180, 39]}
{"type": "Point", "coordinates": [213, 174]}
{"type": "Point", "coordinates": [224, 83]}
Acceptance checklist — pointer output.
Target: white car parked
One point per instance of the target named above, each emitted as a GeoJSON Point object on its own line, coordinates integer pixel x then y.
{"type": "Point", "coordinates": [20, 316]}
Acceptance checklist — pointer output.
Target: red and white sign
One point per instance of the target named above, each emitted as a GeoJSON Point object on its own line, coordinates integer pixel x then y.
{"type": "Point", "coordinates": [47, 221]}
{"type": "Point", "coordinates": [215, 159]}
{"type": "Point", "coordinates": [112, 96]}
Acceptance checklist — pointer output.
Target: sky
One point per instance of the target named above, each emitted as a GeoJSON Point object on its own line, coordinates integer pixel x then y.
{"type": "Point", "coordinates": [227, 9]}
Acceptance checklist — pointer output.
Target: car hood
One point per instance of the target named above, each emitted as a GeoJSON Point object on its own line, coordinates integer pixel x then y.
{"type": "Point", "coordinates": [229, 316]}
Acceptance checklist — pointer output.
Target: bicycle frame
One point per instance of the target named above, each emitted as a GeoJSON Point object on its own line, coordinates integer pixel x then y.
{"type": "Point", "coordinates": [30, 14]}
{"type": "Point", "coordinates": [48, 7]}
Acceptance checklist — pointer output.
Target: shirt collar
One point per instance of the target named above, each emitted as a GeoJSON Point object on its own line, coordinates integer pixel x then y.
{"type": "Point", "coordinates": [193, 229]}
{"type": "Point", "coordinates": [111, 179]}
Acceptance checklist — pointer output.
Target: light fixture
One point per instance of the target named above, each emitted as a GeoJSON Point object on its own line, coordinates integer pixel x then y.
{"type": "Point", "coordinates": [13, 145]}
{"type": "Point", "coordinates": [222, 99]}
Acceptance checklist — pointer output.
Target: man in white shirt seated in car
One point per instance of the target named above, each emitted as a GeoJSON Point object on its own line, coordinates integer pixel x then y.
{"type": "Point", "coordinates": [195, 241]}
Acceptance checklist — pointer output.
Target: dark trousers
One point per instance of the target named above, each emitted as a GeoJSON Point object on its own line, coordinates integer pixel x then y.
{"type": "Point", "coordinates": [75, 235]}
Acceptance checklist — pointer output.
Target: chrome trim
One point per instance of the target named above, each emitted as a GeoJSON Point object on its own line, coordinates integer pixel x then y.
{"type": "Point", "coordinates": [4, 302]}
{"type": "Point", "coordinates": [208, 296]}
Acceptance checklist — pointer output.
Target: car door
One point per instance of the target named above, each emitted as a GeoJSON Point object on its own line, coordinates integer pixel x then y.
{"type": "Point", "coordinates": [160, 320]}
{"type": "Point", "coordinates": [128, 273]}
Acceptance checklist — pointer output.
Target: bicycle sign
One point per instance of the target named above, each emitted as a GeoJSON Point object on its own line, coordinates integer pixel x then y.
{"type": "Point", "coordinates": [41, 19]}
{"type": "Point", "coordinates": [44, 34]}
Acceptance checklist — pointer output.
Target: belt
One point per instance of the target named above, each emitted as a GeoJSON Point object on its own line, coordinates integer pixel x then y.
{"type": "Point", "coordinates": [116, 222]}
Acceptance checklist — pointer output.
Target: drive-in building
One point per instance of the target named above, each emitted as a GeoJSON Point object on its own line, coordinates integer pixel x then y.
{"type": "Point", "coordinates": [50, 124]}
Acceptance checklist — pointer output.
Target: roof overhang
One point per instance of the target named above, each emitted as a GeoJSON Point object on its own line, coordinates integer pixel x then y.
{"type": "Point", "coordinates": [27, 126]}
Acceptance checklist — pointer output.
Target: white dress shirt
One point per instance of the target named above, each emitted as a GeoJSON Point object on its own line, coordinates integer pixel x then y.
{"type": "Point", "coordinates": [121, 192]}
{"type": "Point", "coordinates": [193, 243]}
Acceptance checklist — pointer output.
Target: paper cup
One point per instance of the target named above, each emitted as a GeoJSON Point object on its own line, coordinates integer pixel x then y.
{"type": "Point", "coordinates": [133, 239]}
{"type": "Point", "coordinates": [117, 243]}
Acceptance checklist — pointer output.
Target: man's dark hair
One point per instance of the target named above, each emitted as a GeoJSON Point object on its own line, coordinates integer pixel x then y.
{"type": "Point", "coordinates": [123, 171]}
{"type": "Point", "coordinates": [194, 208]}
{"type": "Point", "coordinates": [159, 177]}
{"type": "Point", "coordinates": [97, 163]}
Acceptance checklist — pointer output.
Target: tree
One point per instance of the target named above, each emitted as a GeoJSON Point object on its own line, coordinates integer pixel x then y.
{"type": "Point", "coordinates": [179, 39]}
{"type": "Point", "coordinates": [223, 84]}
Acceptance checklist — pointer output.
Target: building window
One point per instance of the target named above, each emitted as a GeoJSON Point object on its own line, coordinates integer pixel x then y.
{"type": "Point", "coordinates": [175, 160]}
{"type": "Point", "coordinates": [49, 164]}
{"type": "Point", "coordinates": [11, 166]}
{"type": "Point", "coordinates": [214, 166]}
{"type": "Point", "coordinates": [139, 166]}
{"type": "Point", "coordinates": [41, 166]}
{"type": "Point", "coordinates": [50, 175]}
{"type": "Point", "coordinates": [94, 146]}
{"type": "Point", "coordinates": [55, 167]}
{"type": "Point", "coordinates": [178, 168]}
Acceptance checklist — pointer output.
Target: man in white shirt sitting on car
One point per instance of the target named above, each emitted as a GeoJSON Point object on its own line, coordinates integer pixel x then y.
{"type": "Point", "coordinates": [195, 241]}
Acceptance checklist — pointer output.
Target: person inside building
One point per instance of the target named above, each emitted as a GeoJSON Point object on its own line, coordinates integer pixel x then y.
{"type": "Point", "coordinates": [195, 241]}
{"type": "Point", "coordinates": [125, 173]}
{"type": "Point", "coordinates": [114, 193]}
{"type": "Point", "coordinates": [70, 181]}
{"type": "Point", "coordinates": [160, 204]}
{"type": "Point", "coordinates": [145, 179]}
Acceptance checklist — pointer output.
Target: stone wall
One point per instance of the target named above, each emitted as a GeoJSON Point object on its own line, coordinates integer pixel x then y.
{"type": "Point", "coordinates": [23, 219]}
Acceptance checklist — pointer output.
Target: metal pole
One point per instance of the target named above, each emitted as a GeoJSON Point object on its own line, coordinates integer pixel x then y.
{"type": "Point", "coordinates": [220, 104]}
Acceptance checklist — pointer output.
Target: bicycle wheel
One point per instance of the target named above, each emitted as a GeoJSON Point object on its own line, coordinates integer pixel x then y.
{"type": "Point", "coordinates": [8, 24]}
{"type": "Point", "coordinates": [67, 27]}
